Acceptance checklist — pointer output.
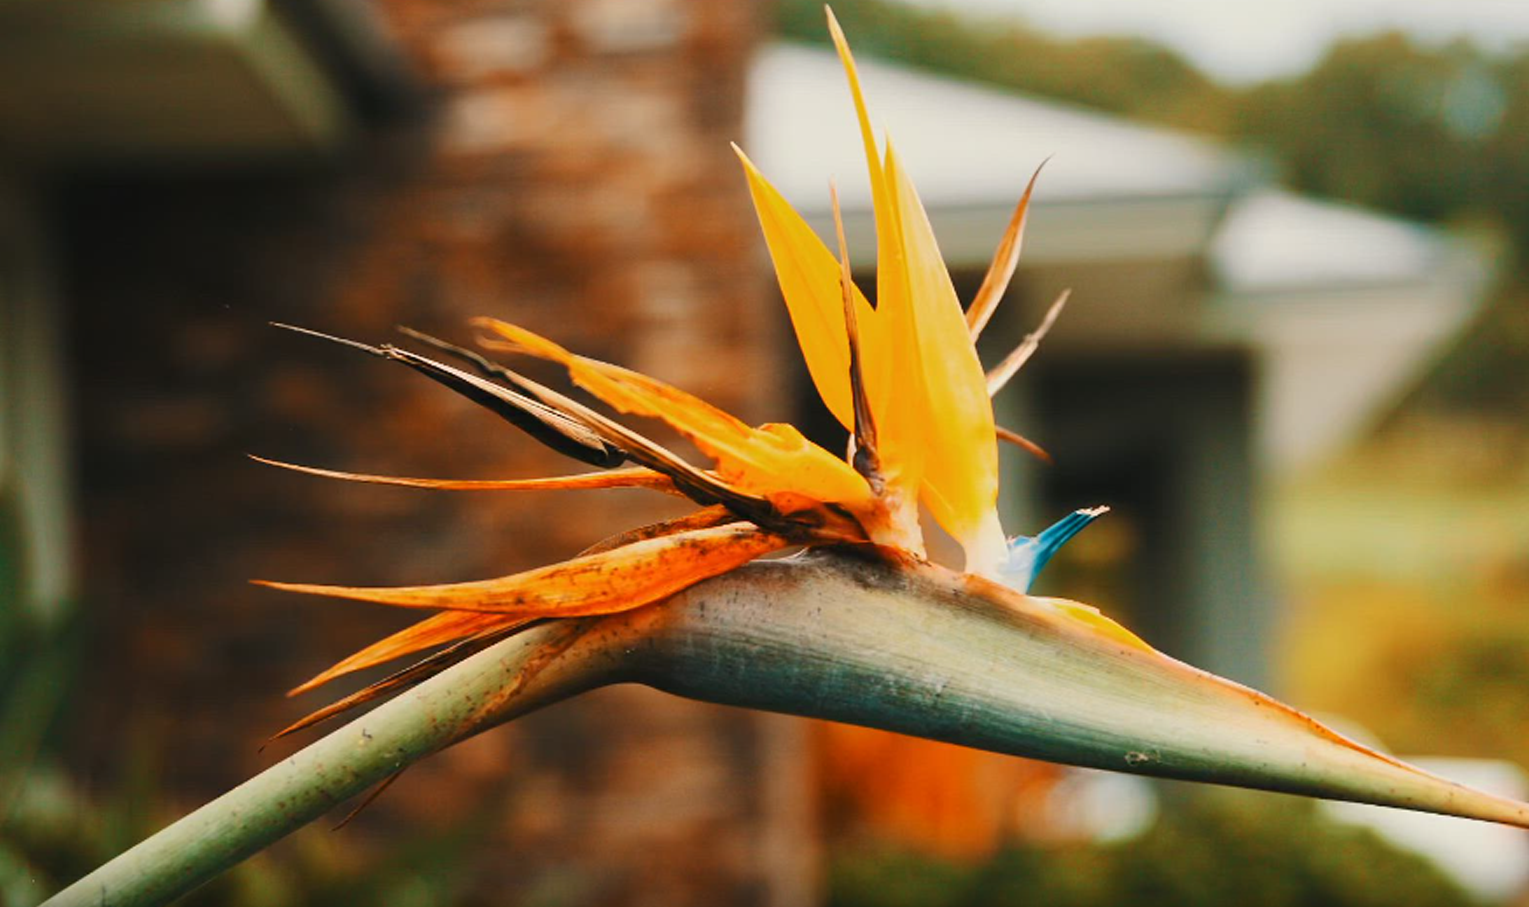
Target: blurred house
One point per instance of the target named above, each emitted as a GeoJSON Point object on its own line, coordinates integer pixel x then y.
{"type": "Point", "coordinates": [176, 173]}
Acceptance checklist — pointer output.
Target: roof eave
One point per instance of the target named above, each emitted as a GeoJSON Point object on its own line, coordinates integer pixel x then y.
{"type": "Point", "coordinates": [174, 80]}
{"type": "Point", "coordinates": [1062, 231]}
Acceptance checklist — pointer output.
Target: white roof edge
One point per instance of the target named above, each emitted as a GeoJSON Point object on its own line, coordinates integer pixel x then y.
{"type": "Point", "coordinates": [1276, 242]}
{"type": "Point", "coordinates": [800, 129]}
{"type": "Point", "coordinates": [1345, 310]}
{"type": "Point", "coordinates": [1064, 231]}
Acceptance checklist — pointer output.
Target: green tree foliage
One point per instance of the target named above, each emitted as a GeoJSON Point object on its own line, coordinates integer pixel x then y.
{"type": "Point", "coordinates": [1424, 132]}
{"type": "Point", "coordinates": [1128, 76]}
{"type": "Point", "coordinates": [1435, 133]}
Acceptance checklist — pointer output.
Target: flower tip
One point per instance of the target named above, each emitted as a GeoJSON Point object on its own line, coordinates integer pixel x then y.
{"type": "Point", "coordinates": [833, 23]}
{"type": "Point", "coordinates": [748, 163]}
{"type": "Point", "coordinates": [841, 43]}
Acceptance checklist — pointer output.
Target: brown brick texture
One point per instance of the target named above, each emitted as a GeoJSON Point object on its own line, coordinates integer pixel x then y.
{"type": "Point", "coordinates": [570, 172]}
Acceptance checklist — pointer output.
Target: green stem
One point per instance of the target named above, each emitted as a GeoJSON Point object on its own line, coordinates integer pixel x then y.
{"type": "Point", "coordinates": [917, 650]}
{"type": "Point", "coordinates": [489, 688]}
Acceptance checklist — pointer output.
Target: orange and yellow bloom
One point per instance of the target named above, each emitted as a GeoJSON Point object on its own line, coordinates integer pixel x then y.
{"type": "Point", "coordinates": [901, 375]}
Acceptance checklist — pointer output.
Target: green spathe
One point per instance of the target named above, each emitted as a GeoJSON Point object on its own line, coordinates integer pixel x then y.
{"type": "Point", "coordinates": [920, 651]}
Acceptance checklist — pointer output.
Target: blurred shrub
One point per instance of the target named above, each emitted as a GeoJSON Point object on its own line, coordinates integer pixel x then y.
{"type": "Point", "coordinates": [1440, 669]}
{"type": "Point", "coordinates": [54, 832]}
{"type": "Point", "coordinates": [1219, 848]}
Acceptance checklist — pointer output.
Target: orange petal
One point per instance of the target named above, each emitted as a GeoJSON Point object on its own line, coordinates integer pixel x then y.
{"type": "Point", "coordinates": [463, 626]}
{"type": "Point", "coordinates": [617, 580]}
{"type": "Point", "coordinates": [960, 483]}
{"type": "Point", "coordinates": [705, 518]}
{"type": "Point", "coordinates": [634, 477]}
{"type": "Point", "coordinates": [415, 673]}
{"type": "Point", "coordinates": [772, 461]}
{"type": "Point", "coordinates": [439, 629]}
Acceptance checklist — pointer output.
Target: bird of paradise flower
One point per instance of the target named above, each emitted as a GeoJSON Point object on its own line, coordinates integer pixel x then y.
{"type": "Point", "coordinates": [896, 375]}
{"type": "Point", "coordinates": [1050, 678]}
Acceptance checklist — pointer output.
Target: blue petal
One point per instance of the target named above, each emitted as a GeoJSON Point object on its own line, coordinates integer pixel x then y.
{"type": "Point", "coordinates": [1028, 555]}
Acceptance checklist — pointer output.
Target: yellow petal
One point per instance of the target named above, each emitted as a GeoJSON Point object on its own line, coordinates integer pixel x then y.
{"type": "Point", "coordinates": [808, 275]}
{"type": "Point", "coordinates": [810, 280]}
{"type": "Point", "coordinates": [605, 583]}
{"type": "Point", "coordinates": [1092, 620]}
{"type": "Point", "coordinates": [960, 482]}
{"type": "Point", "coordinates": [773, 461]}
{"type": "Point", "coordinates": [893, 382]}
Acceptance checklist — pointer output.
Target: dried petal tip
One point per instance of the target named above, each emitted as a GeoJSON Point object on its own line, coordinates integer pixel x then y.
{"type": "Point", "coordinates": [633, 477]}
{"type": "Point", "coordinates": [996, 282]}
{"type": "Point", "coordinates": [1012, 363]}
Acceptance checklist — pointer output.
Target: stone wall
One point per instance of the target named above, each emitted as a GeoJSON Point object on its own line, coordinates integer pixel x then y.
{"type": "Point", "coordinates": [570, 172]}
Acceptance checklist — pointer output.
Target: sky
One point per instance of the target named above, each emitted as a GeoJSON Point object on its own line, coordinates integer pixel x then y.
{"type": "Point", "coordinates": [1241, 41]}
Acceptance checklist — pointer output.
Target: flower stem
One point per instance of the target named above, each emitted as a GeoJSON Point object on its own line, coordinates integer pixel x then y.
{"type": "Point", "coordinates": [912, 648]}
{"type": "Point", "coordinates": [491, 687]}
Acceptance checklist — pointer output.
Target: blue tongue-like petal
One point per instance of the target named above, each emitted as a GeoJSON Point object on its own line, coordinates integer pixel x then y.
{"type": "Point", "coordinates": [1027, 554]}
